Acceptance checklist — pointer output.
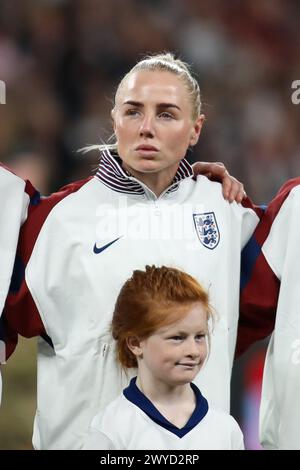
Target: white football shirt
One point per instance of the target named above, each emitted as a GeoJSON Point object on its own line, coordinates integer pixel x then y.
{"type": "Point", "coordinates": [280, 412]}
{"type": "Point", "coordinates": [131, 422]}
{"type": "Point", "coordinates": [86, 242]}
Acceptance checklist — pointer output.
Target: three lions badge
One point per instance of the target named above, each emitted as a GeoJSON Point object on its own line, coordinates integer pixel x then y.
{"type": "Point", "coordinates": [207, 229]}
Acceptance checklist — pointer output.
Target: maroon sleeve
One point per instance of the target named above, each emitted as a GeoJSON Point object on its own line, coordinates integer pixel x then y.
{"type": "Point", "coordinates": [259, 285]}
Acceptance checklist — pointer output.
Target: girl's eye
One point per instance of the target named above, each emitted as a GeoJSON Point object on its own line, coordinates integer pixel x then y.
{"type": "Point", "coordinates": [177, 338]}
{"type": "Point", "coordinates": [199, 337]}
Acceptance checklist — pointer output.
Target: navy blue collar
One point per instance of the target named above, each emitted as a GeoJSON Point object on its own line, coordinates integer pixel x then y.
{"type": "Point", "coordinates": [133, 394]}
{"type": "Point", "coordinates": [113, 175]}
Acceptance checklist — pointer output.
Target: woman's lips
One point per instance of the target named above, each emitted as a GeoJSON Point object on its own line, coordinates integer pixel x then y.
{"type": "Point", "coordinates": [146, 148]}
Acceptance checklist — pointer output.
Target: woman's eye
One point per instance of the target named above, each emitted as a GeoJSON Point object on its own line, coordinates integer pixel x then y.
{"type": "Point", "coordinates": [131, 112]}
{"type": "Point", "coordinates": [166, 115]}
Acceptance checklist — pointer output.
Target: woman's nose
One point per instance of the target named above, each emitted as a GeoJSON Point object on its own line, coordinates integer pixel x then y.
{"type": "Point", "coordinates": [147, 127]}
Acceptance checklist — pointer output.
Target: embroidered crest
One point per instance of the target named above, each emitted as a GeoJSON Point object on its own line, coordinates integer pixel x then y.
{"type": "Point", "coordinates": [207, 229]}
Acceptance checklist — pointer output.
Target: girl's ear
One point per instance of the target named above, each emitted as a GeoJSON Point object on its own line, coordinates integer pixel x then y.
{"type": "Point", "coordinates": [134, 345]}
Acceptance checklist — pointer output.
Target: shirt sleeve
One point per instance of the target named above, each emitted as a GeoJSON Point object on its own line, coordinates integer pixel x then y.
{"type": "Point", "coordinates": [14, 201]}
{"type": "Point", "coordinates": [15, 195]}
{"type": "Point", "coordinates": [21, 314]}
{"type": "Point", "coordinates": [17, 313]}
{"type": "Point", "coordinates": [260, 280]}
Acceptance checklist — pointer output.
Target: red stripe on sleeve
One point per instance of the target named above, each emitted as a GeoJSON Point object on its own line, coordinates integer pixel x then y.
{"type": "Point", "coordinates": [20, 314]}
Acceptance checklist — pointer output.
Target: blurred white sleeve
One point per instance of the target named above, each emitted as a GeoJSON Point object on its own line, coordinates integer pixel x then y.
{"type": "Point", "coordinates": [13, 211]}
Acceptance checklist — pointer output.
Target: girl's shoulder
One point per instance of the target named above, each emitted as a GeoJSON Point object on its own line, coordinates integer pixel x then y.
{"type": "Point", "coordinates": [217, 416]}
{"type": "Point", "coordinates": [119, 409]}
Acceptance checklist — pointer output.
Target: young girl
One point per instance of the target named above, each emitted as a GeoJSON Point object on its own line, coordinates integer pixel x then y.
{"type": "Point", "coordinates": [161, 326]}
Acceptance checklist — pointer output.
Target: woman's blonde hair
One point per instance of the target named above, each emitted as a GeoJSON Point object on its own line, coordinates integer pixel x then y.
{"type": "Point", "coordinates": [165, 62]}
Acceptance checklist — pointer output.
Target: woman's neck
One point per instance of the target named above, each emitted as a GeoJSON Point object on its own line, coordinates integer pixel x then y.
{"type": "Point", "coordinates": [157, 182]}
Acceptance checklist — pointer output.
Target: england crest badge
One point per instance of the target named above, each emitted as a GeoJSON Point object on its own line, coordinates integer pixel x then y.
{"type": "Point", "coordinates": [207, 229]}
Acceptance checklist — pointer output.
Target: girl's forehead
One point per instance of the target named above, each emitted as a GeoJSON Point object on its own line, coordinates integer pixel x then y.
{"type": "Point", "coordinates": [193, 318]}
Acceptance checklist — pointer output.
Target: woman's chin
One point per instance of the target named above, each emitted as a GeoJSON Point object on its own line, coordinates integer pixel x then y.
{"type": "Point", "coordinates": [148, 166]}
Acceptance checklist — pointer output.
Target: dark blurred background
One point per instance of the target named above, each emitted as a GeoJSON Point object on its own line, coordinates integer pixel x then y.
{"type": "Point", "coordinates": [61, 61]}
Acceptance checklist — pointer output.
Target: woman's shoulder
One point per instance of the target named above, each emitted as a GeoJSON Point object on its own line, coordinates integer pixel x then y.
{"type": "Point", "coordinates": [206, 182]}
{"type": "Point", "coordinates": [204, 188]}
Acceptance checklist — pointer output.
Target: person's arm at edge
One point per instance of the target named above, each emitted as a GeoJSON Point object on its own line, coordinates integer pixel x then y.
{"type": "Point", "coordinates": [259, 285]}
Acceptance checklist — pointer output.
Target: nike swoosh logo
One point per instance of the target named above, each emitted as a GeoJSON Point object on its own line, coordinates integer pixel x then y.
{"type": "Point", "coordinates": [102, 248]}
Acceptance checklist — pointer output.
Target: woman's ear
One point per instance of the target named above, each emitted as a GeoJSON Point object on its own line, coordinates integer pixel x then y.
{"type": "Point", "coordinates": [196, 130]}
{"type": "Point", "coordinates": [112, 113]}
{"type": "Point", "coordinates": [134, 345]}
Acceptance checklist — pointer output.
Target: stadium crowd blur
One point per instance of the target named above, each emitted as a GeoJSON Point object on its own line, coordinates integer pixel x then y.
{"type": "Point", "coordinates": [62, 59]}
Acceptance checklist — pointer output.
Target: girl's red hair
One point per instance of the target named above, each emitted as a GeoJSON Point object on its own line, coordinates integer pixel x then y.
{"type": "Point", "coordinates": [148, 301]}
